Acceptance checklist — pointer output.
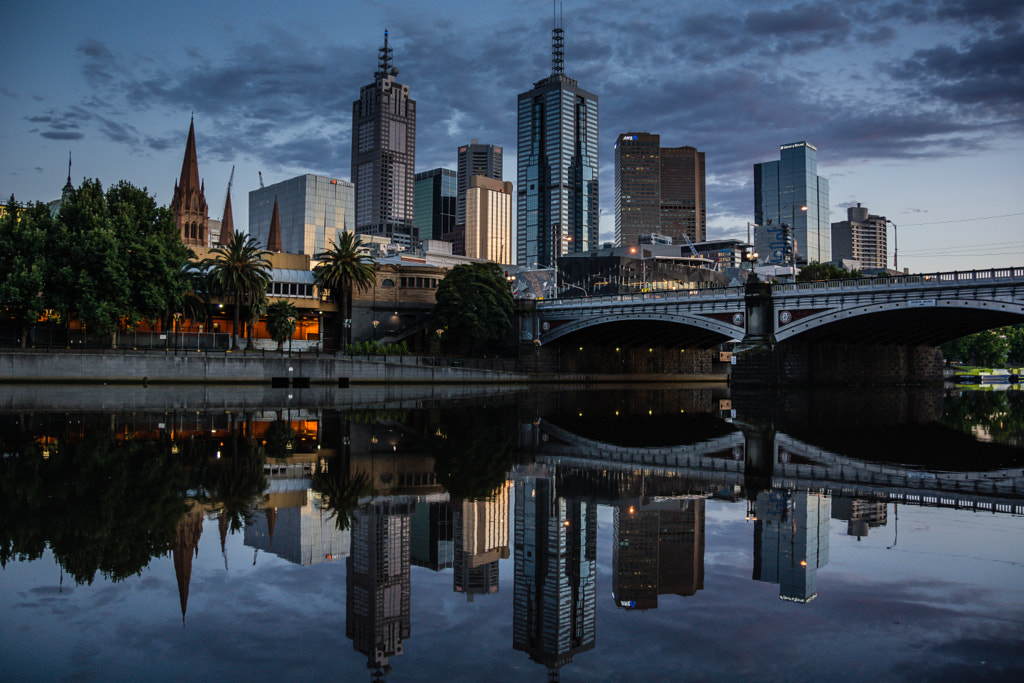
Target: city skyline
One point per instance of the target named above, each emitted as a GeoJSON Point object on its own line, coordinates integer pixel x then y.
{"type": "Point", "coordinates": [915, 111]}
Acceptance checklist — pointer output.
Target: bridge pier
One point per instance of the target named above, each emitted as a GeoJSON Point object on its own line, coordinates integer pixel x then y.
{"type": "Point", "coordinates": [830, 364]}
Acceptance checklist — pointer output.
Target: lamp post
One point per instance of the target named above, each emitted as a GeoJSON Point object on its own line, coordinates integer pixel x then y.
{"type": "Point", "coordinates": [643, 267]}
{"type": "Point", "coordinates": [177, 328]}
{"type": "Point", "coordinates": [440, 333]}
{"type": "Point", "coordinates": [375, 324]}
{"type": "Point", "coordinates": [291, 333]}
{"type": "Point", "coordinates": [895, 247]}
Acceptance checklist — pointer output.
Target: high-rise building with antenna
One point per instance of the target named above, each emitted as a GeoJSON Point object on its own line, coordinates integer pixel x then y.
{"type": "Point", "coordinates": [384, 155]}
{"type": "Point", "coordinates": [557, 183]}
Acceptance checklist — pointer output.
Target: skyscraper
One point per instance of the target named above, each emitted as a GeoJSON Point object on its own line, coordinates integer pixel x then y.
{"type": "Point", "coordinates": [791, 541]}
{"type": "Point", "coordinates": [791, 192]}
{"type": "Point", "coordinates": [488, 233]}
{"type": "Point", "coordinates": [475, 159]}
{"type": "Point", "coordinates": [384, 155]}
{"type": "Point", "coordinates": [557, 179]}
{"type": "Point", "coordinates": [434, 212]}
{"type": "Point", "coordinates": [861, 237]}
{"type": "Point", "coordinates": [311, 208]}
{"type": "Point", "coordinates": [658, 190]}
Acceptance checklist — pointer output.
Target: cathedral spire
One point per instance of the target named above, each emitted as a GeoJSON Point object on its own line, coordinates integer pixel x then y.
{"type": "Point", "coordinates": [274, 238]}
{"type": "Point", "coordinates": [227, 223]}
{"type": "Point", "coordinates": [189, 201]}
{"type": "Point", "coordinates": [190, 164]}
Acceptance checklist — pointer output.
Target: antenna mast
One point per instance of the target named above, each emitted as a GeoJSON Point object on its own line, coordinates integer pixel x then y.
{"type": "Point", "coordinates": [557, 43]}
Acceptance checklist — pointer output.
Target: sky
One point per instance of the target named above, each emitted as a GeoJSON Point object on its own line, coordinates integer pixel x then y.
{"type": "Point", "coordinates": [917, 109]}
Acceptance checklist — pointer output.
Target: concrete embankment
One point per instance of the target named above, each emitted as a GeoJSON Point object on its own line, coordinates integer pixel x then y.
{"type": "Point", "coordinates": [236, 368]}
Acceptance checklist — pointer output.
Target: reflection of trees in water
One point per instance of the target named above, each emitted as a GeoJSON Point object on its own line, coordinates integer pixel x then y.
{"type": "Point", "coordinates": [102, 505]}
{"type": "Point", "coordinates": [473, 453]}
{"type": "Point", "coordinates": [340, 489]}
{"type": "Point", "coordinates": [998, 414]}
{"type": "Point", "coordinates": [231, 478]}
{"type": "Point", "coordinates": [279, 440]}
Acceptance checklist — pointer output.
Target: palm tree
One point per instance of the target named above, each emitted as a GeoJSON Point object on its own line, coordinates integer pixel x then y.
{"type": "Point", "coordinates": [341, 268]}
{"type": "Point", "coordinates": [240, 271]}
{"type": "Point", "coordinates": [281, 321]}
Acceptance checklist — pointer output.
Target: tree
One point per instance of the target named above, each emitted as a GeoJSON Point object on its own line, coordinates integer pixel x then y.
{"type": "Point", "coordinates": [825, 271]}
{"type": "Point", "coordinates": [340, 269]}
{"type": "Point", "coordinates": [281, 321]}
{"type": "Point", "coordinates": [240, 271]}
{"type": "Point", "coordinates": [474, 304]}
{"type": "Point", "coordinates": [23, 264]}
{"type": "Point", "coordinates": [988, 348]}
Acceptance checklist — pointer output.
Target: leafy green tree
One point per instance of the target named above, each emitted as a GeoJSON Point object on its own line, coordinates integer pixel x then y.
{"type": "Point", "coordinates": [241, 272]}
{"type": "Point", "coordinates": [474, 304]}
{"type": "Point", "coordinates": [1015, 340]}
{"type": "Point", "coordinates": [825, 271]}
{"type": "Point", "coordinates": [988, 348]}
{"type": "Point", "coordinates": [23, 264]}
{"type": "Point", "coordinates": [340, 269]}
{"type": "Point", "coordinates": [195, 301]}
{"type": "Point", "coordinates": [281, 322]}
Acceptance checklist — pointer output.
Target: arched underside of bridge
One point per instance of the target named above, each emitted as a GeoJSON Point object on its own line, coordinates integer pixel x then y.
{"type": "Point", "coordinates": [889, 324]}
{"type": "Point", "coordinates": [665, 332]}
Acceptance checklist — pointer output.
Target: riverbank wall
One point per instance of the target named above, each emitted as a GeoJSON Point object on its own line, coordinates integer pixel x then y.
{"type": "Point", "coordinates": [300, 371]}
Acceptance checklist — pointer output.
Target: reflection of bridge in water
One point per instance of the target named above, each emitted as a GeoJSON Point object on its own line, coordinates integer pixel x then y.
{"type": "Point", "coordinates": [751, 458]}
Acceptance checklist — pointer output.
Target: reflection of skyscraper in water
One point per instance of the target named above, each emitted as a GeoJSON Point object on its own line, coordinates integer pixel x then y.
{"type": "Point", "coordinates": [432, 530]}
{"type": "Point", "coordinates": [295, 527]}
{"type": "Point", "coordinates": [859, 514]}
{"type": "Point", "coordinates": [555, 598]}
{"type": "Point", "coordinates": [791, 541]}
{"type": "Point", "coordinates": [377, 582]}
{"type": "Point", "coordinates": [657, 549]}
{"type": "Point", "coordinates": [185, 547]}
{"type": "Point", "coordinates": [481, 539]}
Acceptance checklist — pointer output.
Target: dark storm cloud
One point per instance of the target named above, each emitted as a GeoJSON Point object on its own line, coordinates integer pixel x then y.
{"type": "Point", "coordinates": [60, 125]}
{"type": "Point", "coordinates": [61, 135]}
{"type": "Point", "coordinates": [989, 70]}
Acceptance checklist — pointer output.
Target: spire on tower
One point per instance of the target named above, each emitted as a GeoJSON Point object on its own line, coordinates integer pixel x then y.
{"type": "Point", "coordinates": [384, 67]}
{"type": "Point", "coordinates": [557, 45]}
{"type": "Point", "coordinates": [68, 187]}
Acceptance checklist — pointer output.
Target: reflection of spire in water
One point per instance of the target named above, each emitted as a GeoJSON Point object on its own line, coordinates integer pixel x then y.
{"type": "Point", "coordinates": [185, 547]}
{"type": "Point", "coordinates": [222, 524]}
{"type": "Point", "coordinates": [555, 599]}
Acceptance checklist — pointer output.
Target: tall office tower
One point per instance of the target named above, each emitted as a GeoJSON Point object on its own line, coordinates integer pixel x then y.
{"type": "Point", "coordinates": [189, 202]}
{"type": "Point", "coordinates": [637, 187]}
{"type": "Point", "coordinates": [377, 582]}
{"type": "Point", "coordinates": [434, 212]}
{"type": "Point", "coordinates": [658, 190]}
{"type": "Point", "coordinates": [475, 159]}
{"type": "Point", "coordinates": [782, 190]}
{"type": "Point", "coordinates": [312, 209]}
{"type": "Point", "coordinates": [557, 178]}
{"type": "Point", "coordinates": [861, 237]}
{"type": "Point", "coordinates": [384, 155]}
{"type": "Point", "coordinates": [791, 541]}
{"type": "Point", "coordinates": [683, 196]}
{"type": "Point", "coordinates": [481, 540]}
{"type": "Point", "coordinates": [488, 220]}
{"type": "Point", "coordinates": [554, 614]}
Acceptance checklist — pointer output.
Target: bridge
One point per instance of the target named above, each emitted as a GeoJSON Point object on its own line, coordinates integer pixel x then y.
{"type": "Point", "coordinates": [750, 457]}
{"type": "Point", "coordinates": [914, 310]}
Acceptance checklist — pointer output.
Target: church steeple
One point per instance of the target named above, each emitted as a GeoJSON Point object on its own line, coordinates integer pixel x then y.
{"type": "Point", "coordinates": [68, 187]}
{"type": "Point", "coordinates": [227, 223]}
{"type": "Point", "coordinates": [274, 238]}
{"type": "Point", "coordinates": [189, 202]}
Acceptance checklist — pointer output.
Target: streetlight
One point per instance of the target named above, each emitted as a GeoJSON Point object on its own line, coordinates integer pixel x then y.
{"type": "Point", "coordinates": [375, 323]}
{"type": "Point", "coordinates": [440, 333]}
{"type": "Point", "coordinates": [895, 247]}
{"type": "Point", "coordinates": [643, 266]}
{"type": "Point", "coordinates": [291, 333]}
{"type": "Point", "coordinates": [177, 330]}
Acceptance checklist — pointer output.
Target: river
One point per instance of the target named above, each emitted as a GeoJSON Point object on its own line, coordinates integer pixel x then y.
{"type": "Point", "coordinates": [470, 533]}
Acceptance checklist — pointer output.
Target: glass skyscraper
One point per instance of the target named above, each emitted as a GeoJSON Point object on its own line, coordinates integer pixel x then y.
{"type": "Point", "coordinates": [311, 208]}
{"type": "Point", "coordinates": [557, 182]}
{"type": "Point", "coordinates": [782, 190]}
{"type": "Point", "coordinates": [475, 159]}
{"type": "Point", "coordinates": [434, 210]}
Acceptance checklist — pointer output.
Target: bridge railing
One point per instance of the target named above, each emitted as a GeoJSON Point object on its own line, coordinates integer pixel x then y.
{"type": "Point", "coordinates": [915, 280]}
{"type": "Point", "coordinates": [639, 297]}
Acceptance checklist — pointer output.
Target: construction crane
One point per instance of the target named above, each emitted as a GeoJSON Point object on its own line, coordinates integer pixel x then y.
{"type": "Point", "coordinates": [261, 179]}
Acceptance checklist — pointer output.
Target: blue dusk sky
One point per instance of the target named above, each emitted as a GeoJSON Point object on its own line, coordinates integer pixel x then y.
{"type": "Point", "coordinates": [917, 109]}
